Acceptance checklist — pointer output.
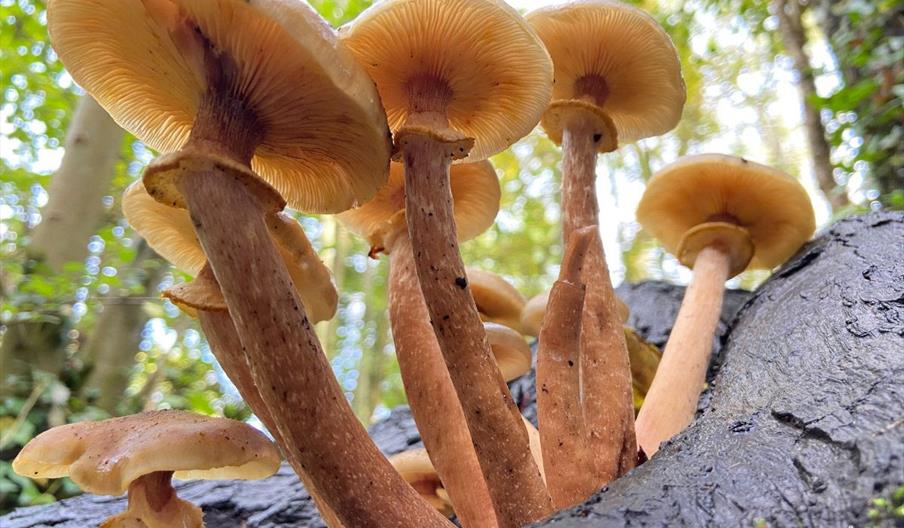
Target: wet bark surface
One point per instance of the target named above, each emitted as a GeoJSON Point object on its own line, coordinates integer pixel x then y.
{"type": "Point", "coordinates": [803, 424]}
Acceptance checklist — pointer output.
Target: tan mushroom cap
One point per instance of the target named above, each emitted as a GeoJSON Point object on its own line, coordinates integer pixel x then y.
{"type": "Point", "coordinates": [770, 205]}
{"type": "Point", "coordinates": [498, 71]}
{"type": "Point", "coordinates": [105, 457]}
{"type": "Point", "coordinates": [535, 309]}
{"type": "Point", "coordinates": [475, 196]}
{"type": "Point", "coordinates": [497, 300]}
{"type": "Point", "coordinates": [325, 140]}
{"type": "Point", "coordinates": [628, 50]}
{"type": "Point", "coordinates": [170, 233]}
{"type": "Point", "coordinates": [511, 351]}
{"type": "Point", "coordinates": [416, 468]}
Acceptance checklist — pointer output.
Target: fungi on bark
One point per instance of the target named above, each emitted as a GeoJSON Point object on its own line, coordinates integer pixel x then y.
{"type": "Point", "coordinates": [140, 454]}
{"type": "Point", "coordinates": [219, 87]}
{"type": "Point", "coordinates": [719, 215]}
{"type": "Point", "coordinates": [617, 79]}
{"type": "Point", "coordinates": [460, 80]}
{"type": "Point", "coordinates": [381, 221]}
{"type": "Point", "coordinates": [496, 299]}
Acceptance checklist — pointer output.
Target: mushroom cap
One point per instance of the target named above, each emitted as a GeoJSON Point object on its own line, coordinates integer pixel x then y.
{"type": "Point", "coordinates": [535, 309]}
{"type": "Point", "coordinates": [170, 233]}
{"type": "Point", "coordinates": [475, 197]}
{"type": "Point", "coordinates": [105, 457]}
{"type": "Point", "coordinates": [625, 47]}
{"type": "Point", "coordinates": [325, 142]}
{"type": "Point", "coordinates": [167, 230]}
{"type": "Point", "coordinates": [510, 350]}
{"type": "Point", "coordinates": [416, 469]}
{"type": "Point", "coordinates": [498, 71]}
{"type": "Point", "coordinates": [497, 300]}
{"type": "Point", "coordinates": [771, 205]}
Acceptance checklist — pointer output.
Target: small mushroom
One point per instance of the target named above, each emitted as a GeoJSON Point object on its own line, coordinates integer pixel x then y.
{"type": "Point", "coordinates": [169, 232]}
{"type": "Point", "coordinates": [510, 350]}
{"type": "Point", "coordinates": [220, 86]}
{"type": "Point", "coordinates": [497, 301]}
{"type": "Point", "coordinates": [535, 309]}
{"type": "Point", "coordinates": [719, 215]}
{"type": "Point", "coordinates": [381, 221]}
{"type": "Point", "coordinates": [643, 356]}
{"type": "Point", "coordinates": [460, 80]}
{"type": "Point", "coordinates": [139, 454]}
{"type": "Point", "coordinates": [617, 78]}
{"type": "Point", "coordinates": [416, 468]}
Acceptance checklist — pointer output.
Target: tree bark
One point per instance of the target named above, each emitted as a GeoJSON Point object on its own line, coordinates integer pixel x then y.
{"type": "Point", "coordinates": [73, 211]}
{"type": "Point", "coordinates": [75, 205]}
{"type": "Point", "coordinates": [794, 36]}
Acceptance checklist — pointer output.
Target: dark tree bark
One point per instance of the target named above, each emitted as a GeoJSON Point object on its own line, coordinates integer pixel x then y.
{"type": "Point", "coordinates": [806, 419]}
{"type": "Point", "coordinates": [803, 426]}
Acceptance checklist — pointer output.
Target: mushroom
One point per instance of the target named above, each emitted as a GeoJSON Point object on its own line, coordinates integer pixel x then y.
{"type": "Point", "coordinates": [719, 215]}
{"type": "Point", "coordinates": [535, 309]}
{"type": "Point", "coordinates": [381, 221]}
{"type": "Point", "coordinates": [460, 80]}
{"type": "Point", "coordinates": [510, 350]}
{"type": "Point", "coordinates": [643, 355]}
{"type": "Point", "coordinates": [564, 438]}
{"type": "Point", "coordinates": [416, 468]}
{"type": "Point", "coordinates": [497, 301]}
{"type": "Point", "coordinates": [645, 358]}
{"type": "Point", "coordinates": [218, 86]}
{"type": "Point", "coordinates": [141, 453]}
{"type": "Point", "coordinates": [169, 232]}
{"type": "Point", "coordinates": [617, 79]}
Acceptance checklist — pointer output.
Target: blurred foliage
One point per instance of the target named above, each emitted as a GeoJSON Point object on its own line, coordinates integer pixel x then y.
{"type": "Point", "coordinates": [738, 101]}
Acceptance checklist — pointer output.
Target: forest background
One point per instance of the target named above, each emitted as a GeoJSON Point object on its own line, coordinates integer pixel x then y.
{"type": "Point", "coordinates": [815, 88]}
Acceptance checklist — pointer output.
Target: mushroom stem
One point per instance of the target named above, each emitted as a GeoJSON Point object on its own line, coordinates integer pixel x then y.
{"type": "Point", "coordinates": [563, 433]}
{"type": "Point", "coordinates": [227, 348]}
{"type": "Point", "coordinates": [153, 503]}
{"type": "Point", "coordinates": [431, 393]}
{"type": "Point", "coordinates": [318, 430]}
{"type": "Point", "coordinates": [606, 375]}
{"type": "Point", "coordinates": [517, 490]}
{"type": "Point", "coordinates": [671, 402]}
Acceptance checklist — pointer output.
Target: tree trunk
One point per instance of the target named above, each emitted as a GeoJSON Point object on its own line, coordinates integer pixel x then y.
{"type": "Point", "coordinates": [880, 118]}
{"type": "Point", "coordinates": [75, 205]}
{"type": "Point", "coordinates": [791, 27]}
{"type": "Point", "coordinates": [111, 348]}
{"type": "Point", "coordinates": [71, 216]}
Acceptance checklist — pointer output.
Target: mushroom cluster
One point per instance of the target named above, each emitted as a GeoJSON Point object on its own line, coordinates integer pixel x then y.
{"type": "Point", "coordinates": [260, 105]}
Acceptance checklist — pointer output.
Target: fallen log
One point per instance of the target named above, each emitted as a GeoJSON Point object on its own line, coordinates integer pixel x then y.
{"type": "Point", "coordinates": [803, 424]}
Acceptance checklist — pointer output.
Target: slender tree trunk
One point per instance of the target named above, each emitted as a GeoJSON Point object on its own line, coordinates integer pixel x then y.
{"type": "Point", "coordinates": [791, 27]}
{"type": "Point", "coordinates": [112, 346]}
{"type": "Point", "coordinates": [74, 209]}
{"type": "Point", "coordinates": [328, 331]}
{"type": "Point", "coordinates": [75, 205]}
